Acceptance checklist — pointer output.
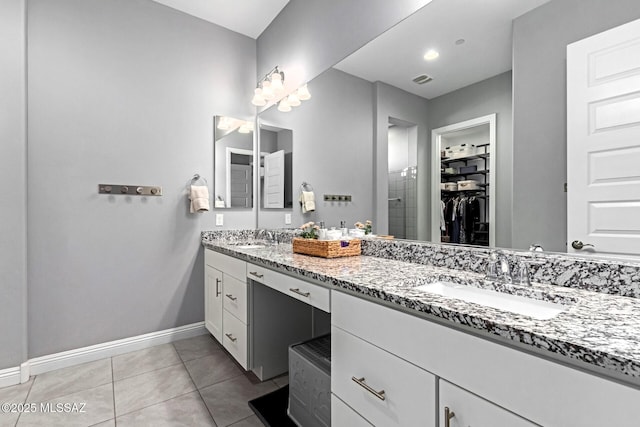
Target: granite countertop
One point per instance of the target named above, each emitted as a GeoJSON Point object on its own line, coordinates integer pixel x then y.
{"type": "Point", "coordinates": [596, 330]}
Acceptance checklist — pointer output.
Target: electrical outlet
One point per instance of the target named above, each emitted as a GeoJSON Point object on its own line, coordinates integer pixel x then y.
{"type": "Point", "coordinates": [219, 219]}
{"type": "Point", "coordinates": [287, 219]}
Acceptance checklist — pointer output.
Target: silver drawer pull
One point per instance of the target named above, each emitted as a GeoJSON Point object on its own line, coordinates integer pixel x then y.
{"type": "Point", "coordinates": [297, 291]}
{"type": "Point", "coordinates": [231, 337]}
{"type": "Point", "coordinates": [255, 273]}
{"type": "Point", "coordinates": [360, 381]}
{"type": "Point", "coordinates": [231, 297]}
{"type": "Point", "coordinates": [218, 287]}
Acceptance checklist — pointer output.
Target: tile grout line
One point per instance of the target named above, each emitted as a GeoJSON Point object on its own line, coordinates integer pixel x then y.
{"type": "Point", "coordinates": [194, 384]}
{"type": "Point", "coordinates": [26, 397]}
{"type": "Point", "coordinates": [113, 392]}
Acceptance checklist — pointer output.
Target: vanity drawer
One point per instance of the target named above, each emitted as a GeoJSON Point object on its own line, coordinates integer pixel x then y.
{"type": "Point", "coordinates": [235, 297]}
{"type": "Point", "coordinates": [310, 293]}
{"type": "Point", "coordinates": [225, 263]}
{"type": "Point", "coordinates": [235, 337]}
{"type": "Point", "coordinates": [409, 392]}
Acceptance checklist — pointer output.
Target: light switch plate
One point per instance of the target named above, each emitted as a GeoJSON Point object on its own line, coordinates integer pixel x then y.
{"type": "Point", "coordinates": [287, 219]}
{"type": "Point", "coordinates": [219, 219]}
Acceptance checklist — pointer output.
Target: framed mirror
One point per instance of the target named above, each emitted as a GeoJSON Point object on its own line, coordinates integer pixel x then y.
{"type": "Point", "coordinates": [233, 159]}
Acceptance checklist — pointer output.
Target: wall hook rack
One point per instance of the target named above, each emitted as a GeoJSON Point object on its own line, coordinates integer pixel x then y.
{"type": "Point", "coordinates": [130, 190]}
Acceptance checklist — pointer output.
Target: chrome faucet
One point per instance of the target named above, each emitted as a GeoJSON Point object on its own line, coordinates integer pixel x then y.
{"type": "Point", "coordinates": [267, 235]}
{"type": "Point", "coordinates": [498, 267]}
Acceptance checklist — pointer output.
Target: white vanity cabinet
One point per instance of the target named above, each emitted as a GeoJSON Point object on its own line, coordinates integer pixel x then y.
{"type": "Point", "coordinates": [226, 303]}
{"type": "Point", "coordinates": [480, 380]}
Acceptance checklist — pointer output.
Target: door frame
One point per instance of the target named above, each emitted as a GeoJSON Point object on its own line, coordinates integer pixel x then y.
{"type": "Point", "coordinates": [436, 139]}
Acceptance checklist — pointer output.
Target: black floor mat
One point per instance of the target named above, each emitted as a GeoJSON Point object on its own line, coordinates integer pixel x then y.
{"type": "Point", "coordinates": [272, 408]}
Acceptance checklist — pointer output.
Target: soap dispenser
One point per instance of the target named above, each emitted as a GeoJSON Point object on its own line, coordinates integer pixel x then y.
{"type": "Point", "coordinates": [322, 231]}
{"type": "Point", "coordinates": [344, 229]}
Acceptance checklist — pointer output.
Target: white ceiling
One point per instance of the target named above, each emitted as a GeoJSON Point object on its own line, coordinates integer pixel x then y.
{"type": "Point", "coordinates": [396, 57]}
{"type": "Point", "coordinates": [248, 17]}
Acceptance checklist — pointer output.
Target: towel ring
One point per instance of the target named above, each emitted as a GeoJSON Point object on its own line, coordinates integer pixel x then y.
{"type": "Point", "coordinates": [197, 177]}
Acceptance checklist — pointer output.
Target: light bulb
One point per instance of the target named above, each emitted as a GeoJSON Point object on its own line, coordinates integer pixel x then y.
{"type": "Point", "coordinates": [276, 83]}
{"type": "Point", "coordinates": [303, 93]}
{"type": "Point", "coordinates": [258, 100]}
{"type": "Point", "coordinates": [293, 99]}
{"type": "Point", "coordinates": [284, 106]}
{"type": "Point", "coordinates": [267, 90]}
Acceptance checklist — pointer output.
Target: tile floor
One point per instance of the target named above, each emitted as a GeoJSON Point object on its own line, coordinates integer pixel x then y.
{"type": "Point", "coordinates": [192, 382]}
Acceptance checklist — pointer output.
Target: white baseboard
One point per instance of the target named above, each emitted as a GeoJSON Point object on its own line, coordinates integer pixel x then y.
{"type": "Point", "coordinates": [92, 353]}
{"type": "Point", "coordinates": [9, 377]}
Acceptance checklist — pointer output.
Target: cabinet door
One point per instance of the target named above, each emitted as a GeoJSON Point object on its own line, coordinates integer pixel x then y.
{"type": "Point", "coordinates": [468, 410]}
{"type": "Point", "coordinates": [213, 301]}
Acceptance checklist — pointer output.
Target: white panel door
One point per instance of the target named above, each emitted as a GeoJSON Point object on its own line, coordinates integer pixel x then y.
{"type": "Point", "coordinates": [603, 143]}
{"type": "Point", "coordinates": [240, 186]}
{"type": "Point", "coordinates": [274, 180]}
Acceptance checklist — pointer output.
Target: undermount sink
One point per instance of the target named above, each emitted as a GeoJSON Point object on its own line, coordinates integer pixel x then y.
{"type": "Point", "coordinates": [250, 246]}
{"type": "Point", "coordinates": [538, 309]}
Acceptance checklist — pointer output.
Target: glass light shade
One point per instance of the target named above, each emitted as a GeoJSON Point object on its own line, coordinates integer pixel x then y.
{"type": "Point", "coordinates": [246, 127]}
{"type": "Point", "coordinates": [223, 123]}
{"type": "Point", "coordinates": [258, 100]}
{"type": "Point", "coordinates": [276, 83]}
{"type": "Point", "coordinates": [293, 99]}
{"type": "Point", "coordinates": [284, 106]}
{"type": "Point", "coordinates": [267, 90]}
{"type": "Point", "coordinates": [303, 93]}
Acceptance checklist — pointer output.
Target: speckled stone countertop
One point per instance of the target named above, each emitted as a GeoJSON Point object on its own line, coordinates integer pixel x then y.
{"type": "Point", "coordinates": [598, 331]}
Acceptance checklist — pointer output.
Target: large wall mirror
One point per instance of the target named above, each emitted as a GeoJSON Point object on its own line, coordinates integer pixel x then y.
{"type": "Point", "coordinates": [504, 58]}
{"type": "Point", "coordinates": [233, 163]}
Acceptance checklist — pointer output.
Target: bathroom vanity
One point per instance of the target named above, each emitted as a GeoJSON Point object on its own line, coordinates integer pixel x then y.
{"type": "Point", "coordinates": [402, 355]}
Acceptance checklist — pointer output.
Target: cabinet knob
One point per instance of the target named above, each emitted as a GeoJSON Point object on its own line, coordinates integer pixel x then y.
{"type": "Point", "coordinates": [448, 414]}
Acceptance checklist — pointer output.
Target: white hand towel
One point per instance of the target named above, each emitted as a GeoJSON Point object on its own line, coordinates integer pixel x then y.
{"type": "Point", "coordinates": [199, 196]}
{"type": "Point", "coordinates": [307, 199]}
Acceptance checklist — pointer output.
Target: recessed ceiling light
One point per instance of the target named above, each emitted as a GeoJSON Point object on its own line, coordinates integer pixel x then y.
{"type": "Point", "coordinates": [431, 54]}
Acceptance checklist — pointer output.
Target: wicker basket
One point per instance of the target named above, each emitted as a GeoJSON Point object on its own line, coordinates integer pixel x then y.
{"type": "Point", "coordinates": [326, 248]}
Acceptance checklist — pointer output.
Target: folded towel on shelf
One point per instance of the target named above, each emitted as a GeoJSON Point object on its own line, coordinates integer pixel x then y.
{"type": "Point", "coordinates": [199, 196]}
{"type": "Point", "coordinates": [308, 201]}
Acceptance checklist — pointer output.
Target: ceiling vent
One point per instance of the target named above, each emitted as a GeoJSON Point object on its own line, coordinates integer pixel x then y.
{"type": "Point", "coordinates": [422, 79]}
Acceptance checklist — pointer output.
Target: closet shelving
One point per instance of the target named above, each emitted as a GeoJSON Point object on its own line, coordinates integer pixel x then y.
{"type": "Point", "coordinates": [480, 234]}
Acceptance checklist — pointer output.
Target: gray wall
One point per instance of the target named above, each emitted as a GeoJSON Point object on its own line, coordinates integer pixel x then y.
{"type": "Point", "coordinates": [122, 91]}
{"type": "Point", "coordinates": [394, 103]}
{"type": "Point", "coordinates": [331, 150]}
{"type": "Point", "coordinates": [539, 111]}
{"type": "Point", "coordinates": [308, 37]}
{"type": "Point", "coordinates": [486, 97]}
{"type": "Point", "coordinates": [13, 208]}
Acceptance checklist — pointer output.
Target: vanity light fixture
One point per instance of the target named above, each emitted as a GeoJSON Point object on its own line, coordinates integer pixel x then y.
{"type": "Point", "coordinates": [431, 55]}
{"type": "Point", "coordinates": [270, 88]}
